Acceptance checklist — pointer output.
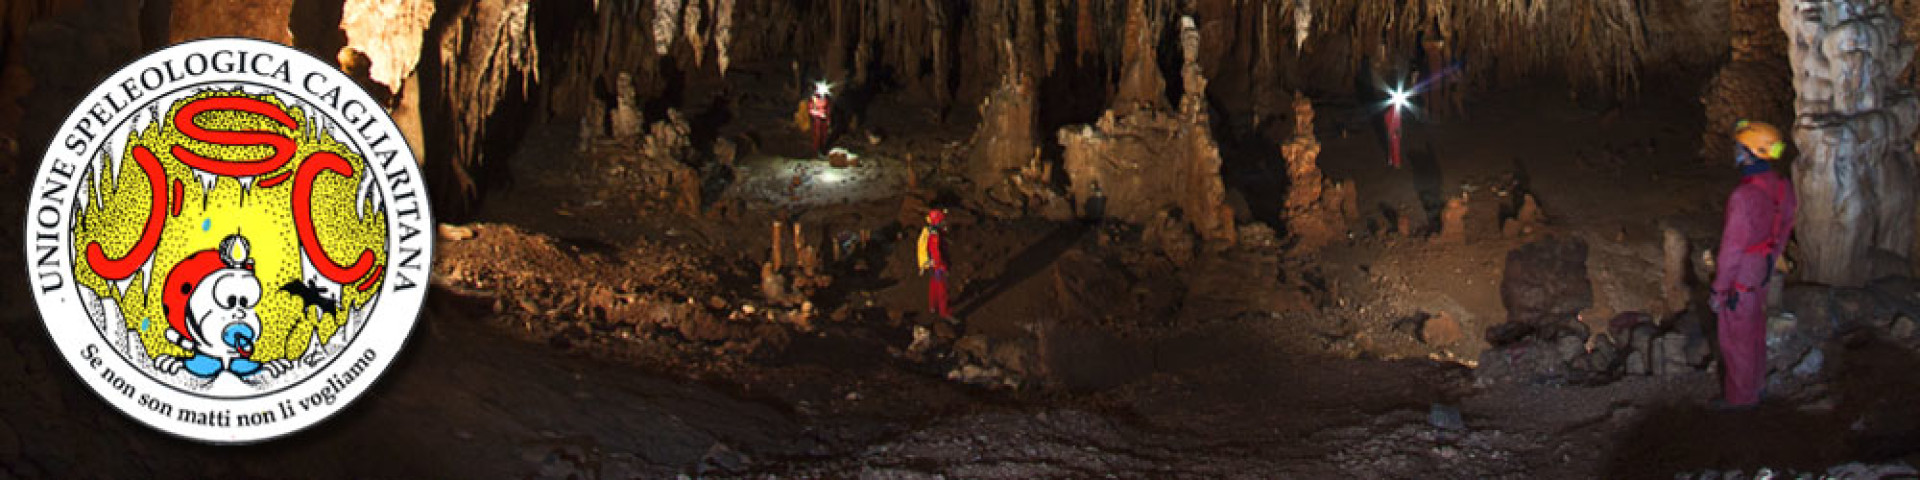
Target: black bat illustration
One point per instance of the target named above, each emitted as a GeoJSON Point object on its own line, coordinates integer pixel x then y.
{"type": "Point", "coordinates": [312, 295]}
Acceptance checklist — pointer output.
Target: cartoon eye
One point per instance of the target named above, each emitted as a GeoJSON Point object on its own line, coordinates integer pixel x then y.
{"type": "Point", "coordinates": [235, 291]}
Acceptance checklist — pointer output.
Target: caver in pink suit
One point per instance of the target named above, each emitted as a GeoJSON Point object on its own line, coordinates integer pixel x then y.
{"type": "Point", "coordinates": [1759, 220]}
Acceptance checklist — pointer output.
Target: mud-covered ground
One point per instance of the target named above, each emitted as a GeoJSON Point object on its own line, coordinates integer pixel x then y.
{"type": "Point", "coordinates": [578, 329]}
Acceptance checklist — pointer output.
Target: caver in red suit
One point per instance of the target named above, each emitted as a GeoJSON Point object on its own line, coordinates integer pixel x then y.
{"type": "Point", "coordinates": [1393, 135]}
{"type": "Point", "coordinates": [818, 109]}
{"type": "Point", "coordinates": [1759, 220]}
{"type": "Point", "coordinates": [934, 260]}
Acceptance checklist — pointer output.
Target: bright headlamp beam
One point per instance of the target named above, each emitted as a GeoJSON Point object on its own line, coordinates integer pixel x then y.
{"type": "Point", "coordinates": [1399, 98]}
{"type": "Point", "coordinates": [822, 88]}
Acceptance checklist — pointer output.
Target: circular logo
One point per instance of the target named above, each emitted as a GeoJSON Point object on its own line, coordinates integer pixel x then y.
{"type": "Point", "coordinates": [229, 240]}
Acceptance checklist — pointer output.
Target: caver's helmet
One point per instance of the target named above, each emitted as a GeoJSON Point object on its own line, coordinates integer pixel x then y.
{"type": "Point", "coordinates": [192, 274]}
{"type": "Point", "coordinates": [1761, 139]}
{"type": "Point", "coordinates": [936, 216]}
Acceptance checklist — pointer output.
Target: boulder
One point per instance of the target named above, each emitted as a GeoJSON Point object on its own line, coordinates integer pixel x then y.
{"type": "Point", "coordinates": [1441, 330]}
{"type": "Point", "coordinates": [1531, 361]}
{"type": "Point", "coordinates": [1546, 281]}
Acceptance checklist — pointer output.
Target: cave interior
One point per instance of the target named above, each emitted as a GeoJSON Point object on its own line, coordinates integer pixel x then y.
{"type": "Point", "coordinates": [1183, 238]}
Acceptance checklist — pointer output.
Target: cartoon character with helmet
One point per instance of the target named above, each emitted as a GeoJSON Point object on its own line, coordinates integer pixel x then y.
{"type": "Point", "coordinates": [209, 304]}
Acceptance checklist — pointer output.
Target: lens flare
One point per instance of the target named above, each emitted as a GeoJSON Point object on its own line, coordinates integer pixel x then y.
{"type": "Point", "coordinates": [1399, 98]}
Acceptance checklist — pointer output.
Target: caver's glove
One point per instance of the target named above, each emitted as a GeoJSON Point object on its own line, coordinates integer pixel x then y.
{"type": "Point", "coordinates": [1725, 301]}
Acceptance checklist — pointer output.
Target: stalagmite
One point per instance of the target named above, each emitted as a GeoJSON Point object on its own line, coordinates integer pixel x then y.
{"type": "Point", "coordinates": [1453, 221]}
{"type": "Point", "coordinates": [626, 121]}
{"type": "Point", "coordinates": [778, 227]}
{"type": "Point", "coordinates": [1145, 156]}
{"type": "Point", "coordinates": [1673, 282]}
{"type": "Point", "coordinates": [1009, 122]}
{"type": "Point", "coordinates": [1854, 129]}
{"type": "Point", "coordinates": [1317, 209]}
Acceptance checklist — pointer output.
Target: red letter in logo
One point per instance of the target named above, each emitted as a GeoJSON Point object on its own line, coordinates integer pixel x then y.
{"type": "Point", "coordinates": [123, 267]}
{"type": "Point", "coordinates": [283, 147]}
{"type": "Point", "coordinates": [310, 170]}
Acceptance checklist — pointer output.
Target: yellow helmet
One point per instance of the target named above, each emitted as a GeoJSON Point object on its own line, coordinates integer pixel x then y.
{"type": "Point", "coordinates": [1761, 139]}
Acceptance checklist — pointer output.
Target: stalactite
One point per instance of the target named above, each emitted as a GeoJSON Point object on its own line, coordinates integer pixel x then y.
{"type": "Point", "coordinates": [666, 15]}
{"type": "Point", "coordinates": [723, 34]}
{"type": "Point", "coordinates": [1597, 43]}
{"type": "Point", "coordinates": [390, 32]}
{"type": "Point", "coordinates": [498, 36]}
{"type": "Point", "coordinates": [1050, 36]}
{"type": "Point", "coordinates": [1302, 23]}
{"type": "Point", "coordinates": [1140, 84]}
{"type": "Point", "coordinates": [1085, 38]}
{"type": "Point", "coordinates": [695, 38]}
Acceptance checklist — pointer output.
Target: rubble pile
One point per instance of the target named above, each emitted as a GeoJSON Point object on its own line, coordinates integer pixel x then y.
{"type": "Point", "coordinates": [1546, 341]}
{"type": "Point", "coordinates": [1814, 321]}
{"type": "Point", "coordinates": [1008, 363]}
{"type": "Point", "coordinates": [1632, 345]}
{"type": "Point", "coordinates": [1405, 444]}
{"type": "Point", "coordinates": [1849, 471]}
{"type": "Point", "coordinates": [573, 298]}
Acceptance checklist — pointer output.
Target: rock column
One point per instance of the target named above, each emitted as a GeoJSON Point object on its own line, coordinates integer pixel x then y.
{"type": "Point", "coordinates": [1854, 125]}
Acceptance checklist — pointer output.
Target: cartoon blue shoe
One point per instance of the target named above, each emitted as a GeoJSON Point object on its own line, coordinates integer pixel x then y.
{"type": "Point", "coordinates": [202, 366]}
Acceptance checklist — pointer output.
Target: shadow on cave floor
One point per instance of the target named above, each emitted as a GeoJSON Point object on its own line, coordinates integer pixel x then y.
{"type": "Point", "coordinates": [1424, 164]}
{"type": "Point", "coordinates": [1029, 262]}
{"type": "Point", "coordinates": [1876, 386]}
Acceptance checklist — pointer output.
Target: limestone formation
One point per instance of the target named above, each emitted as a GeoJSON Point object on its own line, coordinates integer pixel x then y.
{"type": "Point", "coordinates": [196, 19]}
{"type": "Point", "coordinates": [391, 34]}
{"type": "Point", "coordinates": [626, 121]}
{"type": "Point", "coordinates": [723, 33]}
{"type": "Point", "coordinates": [1673, 282]}
{"type": "Point", "coordinates": [666, 19]}
{"type": "Point", "coordinates": [1145, 157]}
{"type": "Point", "coordinates": [1317, 209]}
{"type": "Point", "coordinates": [1008, 128]}
{"type": "Point", "coordinates": [1854, 128]}
{"type": "Point", "coordinates": [1453, 221]}
{"type": "Point", "coordinates": [484, 53]}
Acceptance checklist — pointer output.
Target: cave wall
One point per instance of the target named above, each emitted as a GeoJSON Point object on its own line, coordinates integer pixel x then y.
{"type": "Point", "coordinates": [1754, 84]}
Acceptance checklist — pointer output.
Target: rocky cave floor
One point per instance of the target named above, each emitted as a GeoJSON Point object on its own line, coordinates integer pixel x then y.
{"type": "Point", "coordinates": [580, 327]}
